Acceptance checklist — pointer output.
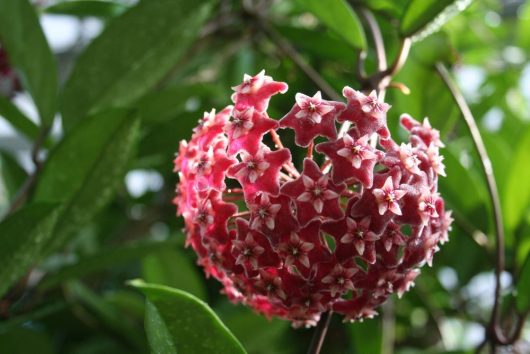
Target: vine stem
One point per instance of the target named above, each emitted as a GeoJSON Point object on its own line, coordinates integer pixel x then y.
{"type": "Point", "coordinates": [493, 329]}
{"type": "Point", "coordinates": [320, 333]}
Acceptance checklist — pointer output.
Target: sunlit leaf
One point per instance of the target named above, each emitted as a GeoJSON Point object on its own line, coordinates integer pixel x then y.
{"type": "Point", "coordinates": [87, 8]}
{"type": "Point", "coordinates": [516, 192]}
{"type": "Point", "coordinates": [424, 17]}
{"type": "Point", "coordinates": [338, 16]}
{"type": "Point", "coordinates": [131, 55]}
{"type": "Point", "coordinates": [178, 320]}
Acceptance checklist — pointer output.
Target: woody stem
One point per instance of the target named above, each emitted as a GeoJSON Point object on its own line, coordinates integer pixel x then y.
{"type": "Point", "coordinates": [320, 333]}
{"type": "Point", "coordinates": [494, 332]}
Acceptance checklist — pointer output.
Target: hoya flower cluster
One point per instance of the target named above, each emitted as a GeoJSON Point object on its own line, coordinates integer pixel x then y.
{"type": "Point", "coordinates": [295, 241]}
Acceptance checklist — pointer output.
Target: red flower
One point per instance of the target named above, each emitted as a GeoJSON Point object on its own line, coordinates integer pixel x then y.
{"type": "Point", "coordinates": [295, 244]}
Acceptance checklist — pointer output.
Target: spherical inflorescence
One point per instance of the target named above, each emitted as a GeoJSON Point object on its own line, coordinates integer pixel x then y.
{"type": "Point", "coordinates": [341, 235]}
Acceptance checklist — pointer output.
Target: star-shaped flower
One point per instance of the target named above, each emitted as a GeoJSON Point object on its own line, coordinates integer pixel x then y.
{"type": "Point", "coordinates": [340, 279]}
{"type": "Point", "coordinates": [256, 91]}
{"type": "Point", "coordinates": [270, 283]}
{"type": "Point", "coordinates": [314, 194]}
{"type": "Point", "coordinates": [212, 214]}
{"type": "Point", "coordinates": [366, 112]}
{"type": "Point", "coordinates": [312, 116]}
{"type": "Point", "coordinates": [409, 159]}
{"type": "Point", "coordinates": [427, 206]}
{"type": "Point", "coordinates": [264, 213]}
{"type": "Point", "coordinates": [245, 131]}
{"type": "Point", "coordinates": [296, 250]}
{"type": "Point", "coordinates": [436, 160]}
{"type": "Point", "coordinates": [424, 131]}
{"type": "Point", "coordinates": [260, 172]}
{"type": "Point", "coordinates": [351, 159]}
{"type": "Point", "coordinates": [387, 197]}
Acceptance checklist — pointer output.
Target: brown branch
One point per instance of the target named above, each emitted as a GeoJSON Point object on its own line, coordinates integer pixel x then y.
{"type": "Point", "coordinates": [494, 329]}
{"type": "Point", "coordinates": [25, 190]}
{"type": "Point", "coordinates": [320, 333]}
{"type": "Point", "coordinates": [291, 52]}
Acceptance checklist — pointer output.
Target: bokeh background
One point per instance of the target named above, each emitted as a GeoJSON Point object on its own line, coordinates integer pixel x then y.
{"type": "Point", "coordinates": [75, 300]}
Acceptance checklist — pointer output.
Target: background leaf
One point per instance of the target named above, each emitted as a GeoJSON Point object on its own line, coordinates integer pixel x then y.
{"type": "Point", "coordinates": [423, 17]}
{"type": "Point", "coordinates": [193, 327]}
{"type": "Point", "coordinates": [516, 192]}
{"type": "Point", "coordinates": [338, 16]}
{"type": "Point", "coordinates": [23, 236]}
{"type": "Point", "coordinates": [29, 52]}
{"type": "Point", "coordinates": [87, 8]}
{"type": "Point", "coordinates": [131, 56]}
{"type": "Point", "coordinates": [523, 287]}
{"type": "Point", "coordinates": [86, 167]}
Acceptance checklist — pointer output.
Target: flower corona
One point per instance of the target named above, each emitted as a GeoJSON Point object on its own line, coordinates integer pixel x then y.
{"type": "Point", "coordinates": [341, 231]}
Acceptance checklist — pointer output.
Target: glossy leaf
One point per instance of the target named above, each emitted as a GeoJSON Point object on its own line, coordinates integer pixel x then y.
{"type": "Point", "coordinates": [184, 322]}
{"type": "Point", "coordinates": [131, 55]}
{"type": "Point", "coordinates": [86, 167]}
{"type": "Point", "coordinates": [523, 287]}
{"type": "Point", "coordinates": [12, 177]}
{"type": "Point", "coordinates": [516, 192]}
{"type": "Point", "coordinates": [87, 8]}
{"type": "Point", "coordinates": [23, 236]}
{"type": "Point", "coordinates": [106, 259]}
{"type": "Point", "coordinates": [171, 267]}
{"type": "Point", "coordinates": [29, 52]}
{"type": "Point", "coordinates": [424, 17]}
{"type": "Point", "coordinates": [17, 119]}
{"type": "Point", "coordinates": [339, 17]}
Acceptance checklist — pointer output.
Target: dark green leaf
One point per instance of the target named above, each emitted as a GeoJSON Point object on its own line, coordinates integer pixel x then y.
{"type": "Point", "coordinates": [160, 339]}
{"type": "Point", "coordinates": [171, 267]}
{"type": "Point", "coordinates": [17, 119]}
{"type": "Point", "coordinates": [29, 52]}
{"type": "Point", "coordinates": [106, 259]}
{"type": "Point", "coordinates": [131, 55]}
{"type": "Point", "coordinates": [516, 192]}
{"type": "Point", "coordinates": [107, 313]}
{"type": "Point", "coordinates": [25, 341]}
{"type": "Point", "coordinates": [23, 236]}
{"type": "Point", "coordinates": [12, 176]}
{"type": "Point", "coordinates": [186, 322]}
{"type": "Point", "coordinates": [523, 287]}
{"type": "Point", "coordinates": [424, 17]}
{"type": "Point", "coordinates": [86, 167]}
{"type": "Point", "coordinates": [87, 8]}
{"type": "Point", "coordinates": [338, 16]}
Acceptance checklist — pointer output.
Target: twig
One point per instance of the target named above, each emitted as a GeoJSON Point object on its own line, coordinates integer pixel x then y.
{"type": "Point", "coordinates": [493, 327]}
{"type": "Point", "coordinates": [291, 52]}
{"type": "Point", "coordinates": [320, 333]}
{"type": "Point", "coordinates": [375, 31]}
{"type": "Point", "coordinates": [389, 324]}
{"type": "Point", "coordinates": [28, 185]}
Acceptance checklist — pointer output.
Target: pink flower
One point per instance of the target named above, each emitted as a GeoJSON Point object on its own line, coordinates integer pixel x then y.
{"type": "Point", "coordinates": [387, 197]}
{"type": "Point", "coordinates": [342, 231]}
{"type": "Point", "coordinates": [310, 117]}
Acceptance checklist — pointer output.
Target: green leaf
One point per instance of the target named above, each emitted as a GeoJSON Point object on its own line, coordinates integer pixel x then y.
{"type": "Point", "coordinates": [132, 54]}
{"type": "Point", "coordinates": [86, 167]}
{"type": "Point", "coordinates": [185, 323]}
{"type": "Point", "coordinates": [366, 336]}
{"type": "Point", "coordinates": [171, 267]}
{"type": "Point", "coordinates": [88, 8]}
{"type": "Point", "coordinates": [29, 52]}
{"type": "Point", "coordinates": [12, 176]}
{"type": "Point", "coordinates": [107, 313]}
{"type": "Point", "coordinates": [26, 341]}
{"type": "Point", "coordinates": [523, 26]}
{"type": "Point", "coordinates": [523, 287]}
{"type": "Point", "coordinates": [424, 17]}
{"type": "Point", "coordinates": [23, 236]}
{"type": "Point", "coordinates": [106, 259]}
{"type": "Point", "coordinates": [516, 192]}
{"type": "Point", "coordinates": [338, 16]}
{"type": "Point", "coordinates": [17, 119]}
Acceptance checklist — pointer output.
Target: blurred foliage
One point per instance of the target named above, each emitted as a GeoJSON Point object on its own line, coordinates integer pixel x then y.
{"type": "Point", "coordinates": [136, 89]}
